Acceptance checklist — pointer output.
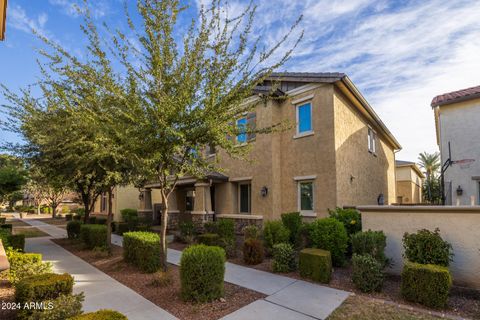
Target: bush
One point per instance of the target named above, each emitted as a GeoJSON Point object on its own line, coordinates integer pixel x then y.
{"type": "Point", "coordinates": [5, 237]}
{"type": "Point", "coordinates": [202, 269]}
{"type": "Point", "coordinates": [3, 220]}
{"type": "Point", "coordinates": [93, 235]}
{"type": "Point", "coordinates": [226, 228]}
{"type": "Point", "coordinates": [65, 306]}
{"type": "Point", "coordinates": [283, 258]}
{"type": "Point", "coordinates": [315, 264]}
{"type": "Point", "coordinates": [274, 232]}
{"type": "Point", "coordinates": [329, 234]}
{"type": "Point", "coordinates": [427, 284]}
{"type": "Point", "coordinates": [127, 214]}
{"type": "Point", "coordinates": [187, 231]}
{"type": "Point", "coordinates": [251, 232]}
{"type": "Point", "coordinates": [73, 229]}
{"type": "Point", "coordinates": [69, 217]}
{"type": "Point", "coordinates": [7, 226]}
{"type": "Point", "coordinates": [209, 239]}
{"type": "Point", "coordinates": [253, 251]}
{"type": "Point", "coordinates": [367, 273]}
{"type": "Point", "coordinates": [92, 219]}
{"type": "Point", "coordinates": [77, 218]}
{"type": "Point", "coordinates": [142, 249]}
{"type": "Point", "coordinates": [426, 247]}
{"type": "Point", "coordinates": [293, 222]}
{"type": "Point", "coordinates": [101, 315]}
{"type": "Point", "coordinates": [17, 241]}
{"type": "Point", "coordinates": [79, 212]}
{"type": "Point", "coordinates": [40, 288]}
{"type": "Point", "coordinates": [370, 242]}
{"type": "Point", "coordinates": [210, 227]}
{"type": "Point", "coordinates": [121, 228]}
{"type": "Point", "coordinates": [23, 265]}
{"type": "Point", "coordinates": [350, 218]}
{"type": "Point", "coordinates": [101, 220]}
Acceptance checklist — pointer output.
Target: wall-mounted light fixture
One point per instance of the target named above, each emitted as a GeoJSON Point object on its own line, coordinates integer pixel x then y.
{"type": "Point", "coordinates": [264, 191]}
{"type": "Point", "coordinates": [140, 196]}
{"type": "Point", "coordinates": [459, 191]}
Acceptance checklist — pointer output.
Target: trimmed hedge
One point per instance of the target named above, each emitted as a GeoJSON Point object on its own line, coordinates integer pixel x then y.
{"type": "Point", "coordinates": [427, 247]}
{"type": "Point", "coordinates": [367, 273]}
{"type": "Point", "coordinates": [370, 242]}
{"type": "Point", "coordinates": [93, 235]}
{"type": "Point", "coordinates": [426, 284]}
{"type": "Point", "coordinates": [202, 269]}
{"type": "Point", "coordinates": [7, 226]}
{"type": "Point", "coordinates": [92, 219]}
{"type": "Point", "coordinates": [293, 222]}
{"type": "Point", "coordinates": [17, 241]}
{"type": "Point", "coordinates": [350, 218]}
{"type": "Point", "coordinates": [73, 229]}
{"type": "Point", "coordinates": [23, 265]}
{"type": "Point", "coordinates": [283, 258]}
{"type": "Point", "coordinates": [42, 287]}
{"type": "Point", "coordinates": [101, 220]}
{"type": "Point", "coordinates": [64, 307]}
{"type": "Point", "coordinates": [253, 251]}
{"type": "Point", "coordinates": [209, 239]}
{"type": "Point", "coordinates": [142, 249]}
{"type": "Point", "coordinates": [101, 315]}
{"type": "Point", "coordinates": [315, 264]}
{"type": "Point", "coordinates": [274, 232]}
{"type": "Point", "coordinates": [330, 234]}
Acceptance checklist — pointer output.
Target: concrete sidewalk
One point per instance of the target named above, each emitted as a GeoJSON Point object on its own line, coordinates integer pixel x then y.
{"type": "Point", "coordinates": [287, 298]}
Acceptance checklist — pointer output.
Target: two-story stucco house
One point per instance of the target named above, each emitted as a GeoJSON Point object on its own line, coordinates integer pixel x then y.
{"type": "Point", "coordinates": [337, 152]}
{"type": "Point", "coordinates": [409, 182]}
{"type": "Point", "coordinates": [457, 118]}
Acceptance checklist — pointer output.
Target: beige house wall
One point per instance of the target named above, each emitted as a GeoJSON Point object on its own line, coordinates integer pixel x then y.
{"type": "Point", "coordinates": [409, 185]}
{"type": "Point", "coordinates": [458, 226]}
{"type": "Point", "coordinates": [361, 175]}
{"type": "Point", "coordinates": [124, 197]}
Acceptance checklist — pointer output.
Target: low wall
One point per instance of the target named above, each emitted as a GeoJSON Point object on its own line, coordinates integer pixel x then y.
{"type": "Point", "coordinates": [458, 225]}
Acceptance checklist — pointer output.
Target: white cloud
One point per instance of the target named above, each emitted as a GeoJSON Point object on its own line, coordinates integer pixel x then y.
{"type": "Point", "coordinates": [98, 9]}
{"type": "Point", "coordinates": [18, 19]}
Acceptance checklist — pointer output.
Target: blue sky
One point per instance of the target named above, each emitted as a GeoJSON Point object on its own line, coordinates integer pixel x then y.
{"type": "Point", "coordinates": [399, 53]}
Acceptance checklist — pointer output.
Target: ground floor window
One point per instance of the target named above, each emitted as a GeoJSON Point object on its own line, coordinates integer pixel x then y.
{"type": "Point", "coordinates": [245, 195]}
{"type": "Point", "coordinates": [305, 197]}
{"type": "Point", "coordinates": [190, 200]}
{"type": "Point", "coordinates": [103, 202]}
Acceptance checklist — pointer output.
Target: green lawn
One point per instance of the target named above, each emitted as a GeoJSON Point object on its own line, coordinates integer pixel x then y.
{"type": "Point", "coordinates": [363, 308]}
{"type": "Point", "coordinates": [30, 232]}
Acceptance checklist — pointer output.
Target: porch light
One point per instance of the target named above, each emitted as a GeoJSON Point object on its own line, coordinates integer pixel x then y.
{"type": "Point", "coordinates": [459, 191]}
{"type": "Point", "coordinates": [264, 191]}
{"type": "Point", "coordinates": [140, 196]}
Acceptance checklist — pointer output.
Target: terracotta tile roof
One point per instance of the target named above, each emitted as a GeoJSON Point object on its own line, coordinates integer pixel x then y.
{"type": "Point", "coordinates": [456, 96]}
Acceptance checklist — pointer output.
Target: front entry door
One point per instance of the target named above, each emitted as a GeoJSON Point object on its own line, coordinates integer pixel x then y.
{"type": "Point", "coordinates": [157, 214]}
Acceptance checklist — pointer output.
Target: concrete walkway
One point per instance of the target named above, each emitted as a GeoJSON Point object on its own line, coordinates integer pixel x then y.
{"type": "Point", "coordinates": [101, 291]}
{"type": "Point", "coordinates": [287, 298]}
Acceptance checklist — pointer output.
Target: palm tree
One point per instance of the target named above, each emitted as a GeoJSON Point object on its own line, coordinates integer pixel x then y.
{"type": "Point", "coordinates": [430, 163]}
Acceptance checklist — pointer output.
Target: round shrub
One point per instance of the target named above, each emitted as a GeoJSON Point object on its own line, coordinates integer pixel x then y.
{"type": "Point", "coordinates": [101, 315]}
{"type": "Point", "coordinates": [427, 247]}
{"type": "Point", "coordinates": [283, 258]}
{"type": "Point", "coordinates": [142, 249]}
{"type": "Point", "coordinates": [73, 229]}
{"type": "Point", "coordinates": [209, 239]}
{"type": "Point", "coordinates": [350, 218]}
{"type": "Point", "coordinates": [187, 231]}
{"type": "Point", "coordinates": [315, 264]}
{"type": "Point", "coordinates": [253, 251]}
{"type": "Point", "coordinates": [251, 232]}
{"type": "Point", "coordinates": [293, 222]}
{"type": "Point", "coordinates": [367, 273]}
{"type": "Point", "coordinates": [329, 234]}
{"type": "Point", "coordinates": [275, 232]}
{"type": "Point", "coordinates": [370, 242]}
{"type": "Point", "coordinates": [23, 265]}
{"type": "Point", "coordinates": [93, 235]}
{"type": "Point", "coordinates": [202, 269]}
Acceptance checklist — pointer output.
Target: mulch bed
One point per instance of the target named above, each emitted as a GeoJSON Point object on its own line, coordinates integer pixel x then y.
{"type": "Point", "coordinates": [7, 294]}
{"type": "Point", "coordinates": [168, 298]}
{"type": "Point", "coordinates": [462, 301]}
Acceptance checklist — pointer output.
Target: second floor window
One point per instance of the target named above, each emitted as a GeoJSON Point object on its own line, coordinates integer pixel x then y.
{"type": "Point", "coordinates": [246, 126]}
{"type": "Point", "coordinates": [372, 141]}
{"type": "Point", "coordinates": [242, 128]}
{"type": "Point", "coordinates": [304, 118]}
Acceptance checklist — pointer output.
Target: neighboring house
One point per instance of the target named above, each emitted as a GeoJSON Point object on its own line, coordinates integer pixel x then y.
{"type": "Point", "coordinates": [3, 18]}
{"type": "Point", "coordinates": [124, 197]}
{"type": "Point", "coordinates": [337, 153]}
{"type": "Point", "coordinates": [457, 119]}
{"type": "Point", "coordinates": [409, 181]}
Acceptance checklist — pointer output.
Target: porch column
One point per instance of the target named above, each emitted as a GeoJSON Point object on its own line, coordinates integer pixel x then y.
{"type": "Point", "coordinates": [203, 201]}
{"type": "Point", "coordinates": [173, 202]}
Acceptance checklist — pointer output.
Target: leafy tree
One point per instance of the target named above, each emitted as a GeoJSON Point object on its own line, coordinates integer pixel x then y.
{"type": "Point", "coordinates": [12, 178]}
{"type": "Point", "coordinates": [430, 163]}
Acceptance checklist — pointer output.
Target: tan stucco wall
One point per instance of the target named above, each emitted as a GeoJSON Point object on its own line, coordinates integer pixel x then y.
{"type": "Point", "coordinates": [125, 197]}
{"type": "Point", "coordinates": [409, 185]}
{"type": "Point", "coordinates": [458, 225]}
{"type": "Point", "coordinates": [361, 175]}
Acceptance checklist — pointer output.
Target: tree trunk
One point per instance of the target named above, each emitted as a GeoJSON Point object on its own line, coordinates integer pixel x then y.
{"type": "Point", "coordinates": [39, 209]}
{"type": "Point", "coordinates": [163, 236]}
{"type": "Point", "coordinates": [109, 220]}
{"type": "Point", "coordinates": [54, 210]}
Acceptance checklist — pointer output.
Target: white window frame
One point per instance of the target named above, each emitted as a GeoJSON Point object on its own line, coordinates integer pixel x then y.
{"type": "Point", "coordinates": [372, 140]}
{"type": "Point", "coordinates": [306, 213]}
{"type": "Point", "coordinates": [299, 134]}
{"type": "Point", "coordinates": [240, 200]}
